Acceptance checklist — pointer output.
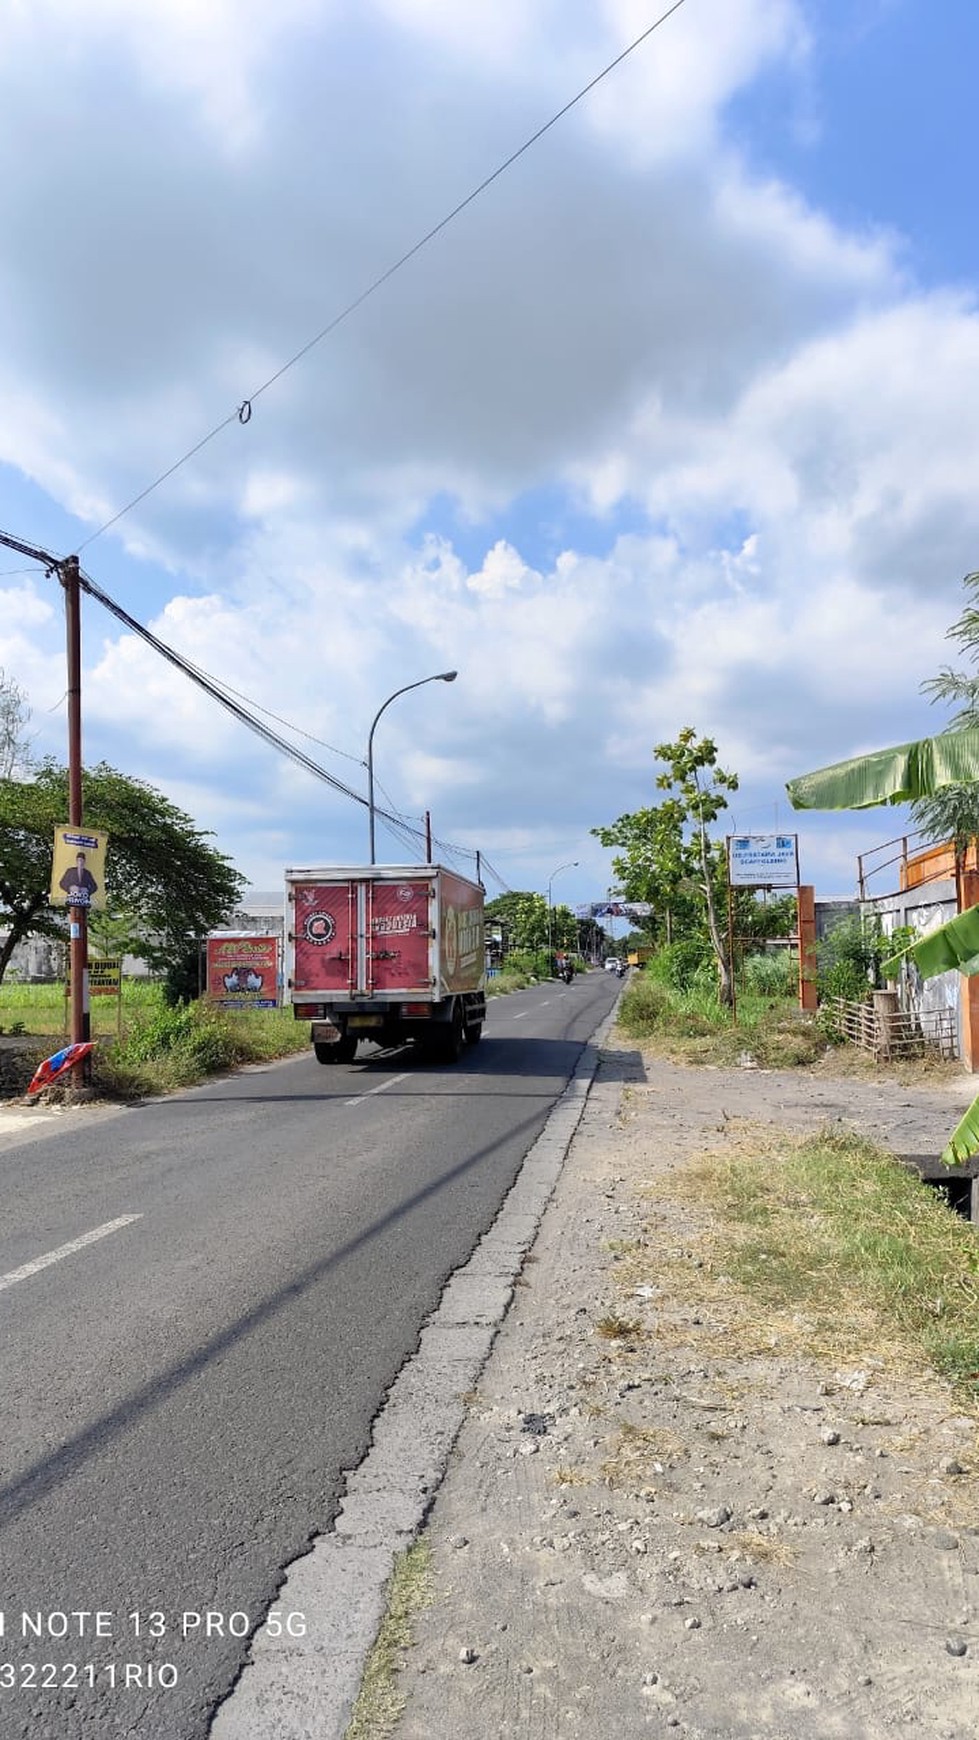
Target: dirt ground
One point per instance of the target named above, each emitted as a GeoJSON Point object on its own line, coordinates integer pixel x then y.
{"type": "Point", "coordinates": [679, 1530]}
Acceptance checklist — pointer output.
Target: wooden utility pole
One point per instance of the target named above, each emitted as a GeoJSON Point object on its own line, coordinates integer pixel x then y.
{"type": "Point", "coordinates": [78, 916]}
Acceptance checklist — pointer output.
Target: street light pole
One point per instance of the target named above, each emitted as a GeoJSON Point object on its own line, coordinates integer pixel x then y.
{"type": "Point", "coordinates": [550, 912]}
{"type": "Point", "coordinates": [439, 677]}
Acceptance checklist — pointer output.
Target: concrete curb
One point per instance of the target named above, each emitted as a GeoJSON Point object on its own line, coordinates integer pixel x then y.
{"type": "Point", "coordinates": [305, 1688]}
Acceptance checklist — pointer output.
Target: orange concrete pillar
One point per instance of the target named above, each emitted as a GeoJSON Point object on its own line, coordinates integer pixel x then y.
{"type": "Point", "coordinates": [807, 947]}
{"type": "Point", "coordinates": [968, 885]}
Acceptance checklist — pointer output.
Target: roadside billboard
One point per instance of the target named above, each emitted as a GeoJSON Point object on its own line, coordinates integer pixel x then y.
{"type": "Point", "coordinates": [763, 860]}
{"type": "Point", "coordinates": [242, 970]}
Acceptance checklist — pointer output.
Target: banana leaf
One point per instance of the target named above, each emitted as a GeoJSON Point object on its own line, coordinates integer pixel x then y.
{"type": "Point", "coordinates": [963, 1143]}
{"type": "Point", "coordinates": [952, 947]}
{"type": "Point", "coordinates": [891, 776]}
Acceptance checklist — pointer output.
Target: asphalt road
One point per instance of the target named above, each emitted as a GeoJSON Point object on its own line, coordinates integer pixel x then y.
{"type": "Point", "coordinates": [204, 1302]}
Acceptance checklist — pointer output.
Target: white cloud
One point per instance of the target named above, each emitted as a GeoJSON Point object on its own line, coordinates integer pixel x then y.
{"type": "Point", "coordinates": [667, 100]}
{"type": "Point", "coordinates": [641, 440]}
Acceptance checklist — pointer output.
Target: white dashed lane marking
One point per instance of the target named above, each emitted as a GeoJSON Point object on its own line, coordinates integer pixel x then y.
{"type": "Point", "coordinates": [381, 1088]}
{"type": "Point", "coordinates": [68, 1250]}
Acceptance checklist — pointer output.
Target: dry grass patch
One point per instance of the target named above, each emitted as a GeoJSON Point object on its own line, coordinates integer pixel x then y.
{"type": "Point", "coordinates": [853, 1064]}
{"type": "Point", "coordinates": [614, 1328]}
{"type": "Point", "coordinates": [637, 1452]}
{"type": "Point", "coordinates": [764, 1549]}
{"type": "Point", "coordinates": [379, 1702]}
{"type": "Point", "coordinates": [566, 1476]}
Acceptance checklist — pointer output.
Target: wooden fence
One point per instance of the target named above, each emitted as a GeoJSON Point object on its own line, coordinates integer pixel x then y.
{"type": "Point", "coordinates": [879, 1026]}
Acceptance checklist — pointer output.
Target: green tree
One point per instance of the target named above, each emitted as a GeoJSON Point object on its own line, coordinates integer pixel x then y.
{"type": "Point", "coordinates": [656, 863]}
{"type": "Point", "coordinates": [564, 928]}
{"type": "Point", "coordinates": [14, 714]}
{"type": "Point", "coordinates": [696, 782]}
{"type": "Point", "coordinates": [665, 855]}
{"type": "Point", "coordinates": [163, 878]}
{"type": "Point", "coordinates": [756, 919]}
{"type": "Point", "coordinates": [523, 917]}
{"type": "Point", "coordinates": [953, 813]}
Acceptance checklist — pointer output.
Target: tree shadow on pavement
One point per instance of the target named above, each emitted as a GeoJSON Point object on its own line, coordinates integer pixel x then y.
{"type": "Point", "coordinates": [615, 1064]}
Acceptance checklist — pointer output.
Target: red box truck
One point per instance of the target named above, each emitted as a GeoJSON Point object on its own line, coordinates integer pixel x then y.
{"type": "Point", "coordinates": [388, 953]}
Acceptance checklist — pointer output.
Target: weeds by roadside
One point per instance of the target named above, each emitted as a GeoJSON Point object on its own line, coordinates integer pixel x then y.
{"type": "Point", "coordinates": [835, 1247]}
{"type": "Point", "coordinates": [159, 1048]}
{"type": "Point", "coordinates": [379, 1701]}
{"type": "Point", "coordinates": [168, 1048]}
{"type": "Point", "coordinates": [690, 1026]}
{"type": "Point", "coordinates": [508, 979]}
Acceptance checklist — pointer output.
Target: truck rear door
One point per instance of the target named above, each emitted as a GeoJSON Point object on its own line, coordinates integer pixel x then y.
{"type": "Point", "coordinates": [399, 933]}
{"type": "Point", "coordinates": [325, 927]}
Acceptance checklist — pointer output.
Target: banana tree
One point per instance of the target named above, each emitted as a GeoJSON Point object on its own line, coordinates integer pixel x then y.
{"type": "Point", "coordinates": [905, 774]}
{"type": "Point", "coordinates": [891, 776]}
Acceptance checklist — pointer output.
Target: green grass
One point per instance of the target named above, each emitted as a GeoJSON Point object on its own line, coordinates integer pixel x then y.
{"type": "Point", "coordinates": [834, 1227]}
{"type": "Point", "coordinates": [152, 1049]}
{"type": "Point", "coordinates": [690, 1026]}
{"type": "Point", "coordinates": [508, 979]}
{"type": "Point", "coordinates": [44, 1009]}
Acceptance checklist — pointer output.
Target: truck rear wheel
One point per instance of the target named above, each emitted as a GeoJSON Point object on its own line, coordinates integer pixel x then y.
{"type": "Point", "coordinates": [474, 1032]}
{"type": "Point", "coordinates": [447, 1041]}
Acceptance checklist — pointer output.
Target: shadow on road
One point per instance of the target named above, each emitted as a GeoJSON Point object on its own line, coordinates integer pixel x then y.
{"type": "Point", "coordinates": [51, 1471]}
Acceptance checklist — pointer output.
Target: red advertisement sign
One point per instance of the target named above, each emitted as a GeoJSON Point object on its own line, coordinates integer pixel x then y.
{"type": "Point", "coordinates": [243, 971]}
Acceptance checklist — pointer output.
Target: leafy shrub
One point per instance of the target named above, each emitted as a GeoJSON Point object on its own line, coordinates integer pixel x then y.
{"type": "Point", "coordinates": [154, 1034]}
{"type": "Point", "coordinates": [646, 1003]}
{"type": "Point", "coordinates": [532, 963]}
{"type": "Point", "coordinates": [182, 982]}
{"type": "Point", "coordinates": [680, 962]}
{"type": "Point", "coordinates": [849, 959]}
{"type": "Point", "coordinates": [772, 975]}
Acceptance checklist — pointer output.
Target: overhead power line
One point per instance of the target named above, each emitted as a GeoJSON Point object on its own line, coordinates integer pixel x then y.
{"type": "Point", "coordinates": [211, 686]}
{"type": "Point", "coordinates": [401, 826]}
{"type": "Point", "coordinates": [243, 412]}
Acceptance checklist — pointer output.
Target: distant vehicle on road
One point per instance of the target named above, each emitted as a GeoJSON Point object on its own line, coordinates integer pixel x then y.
{"type": "Point", "coordinates": [613, 964]}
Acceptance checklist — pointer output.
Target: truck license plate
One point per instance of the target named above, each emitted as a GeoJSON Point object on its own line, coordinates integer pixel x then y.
{"type": "Point", "coordinates": [365, 1021]}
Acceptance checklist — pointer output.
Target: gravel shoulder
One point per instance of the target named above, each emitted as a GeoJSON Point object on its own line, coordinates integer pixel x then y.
{"type": "Point", "coordinates": [674, 1530]}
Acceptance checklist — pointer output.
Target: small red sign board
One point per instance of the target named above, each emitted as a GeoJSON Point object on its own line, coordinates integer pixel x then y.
{"type": "Point", "coordinates": [243, 970]}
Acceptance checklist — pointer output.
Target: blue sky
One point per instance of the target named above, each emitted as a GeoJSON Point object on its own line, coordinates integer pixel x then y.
{"type": "Point", "coordinates": [878, 132]}
{"type": "Point", "coordinates": [677, 424]}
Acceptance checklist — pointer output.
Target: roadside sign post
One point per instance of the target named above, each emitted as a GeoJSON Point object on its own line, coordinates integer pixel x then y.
{"type": "Point", "coordinates": [768, 861]}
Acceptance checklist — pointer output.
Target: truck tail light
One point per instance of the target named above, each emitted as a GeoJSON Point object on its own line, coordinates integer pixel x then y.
{"type": "Point", "coordinates": [416, 1008]}
{"type": "Point", "coordinates": [306, 1011]}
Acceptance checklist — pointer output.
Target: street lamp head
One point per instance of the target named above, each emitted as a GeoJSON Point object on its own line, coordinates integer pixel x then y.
{"type": "Point", "coordinates": [437, 677]}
